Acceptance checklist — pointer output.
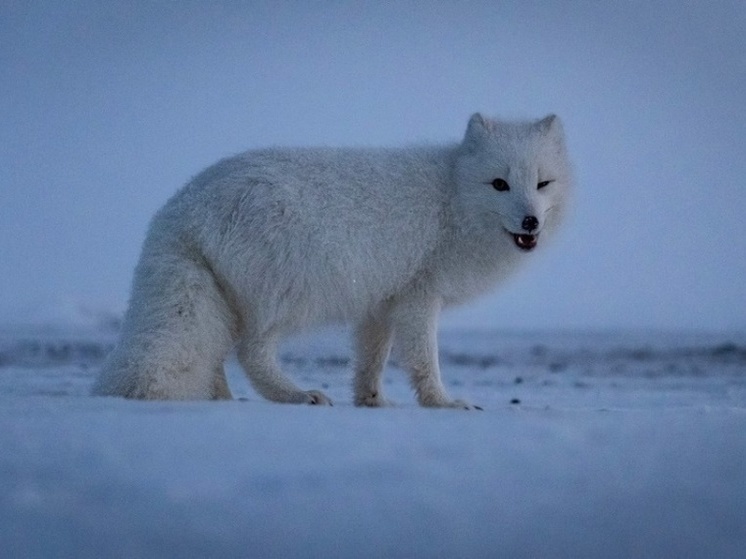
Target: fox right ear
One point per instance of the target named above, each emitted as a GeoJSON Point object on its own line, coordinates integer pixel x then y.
{"type": "Point", "coordinates": [477, 130]}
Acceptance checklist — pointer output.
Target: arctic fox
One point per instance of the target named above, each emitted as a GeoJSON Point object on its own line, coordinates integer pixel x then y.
{"type": "Point", "coordinates": [268, 242]}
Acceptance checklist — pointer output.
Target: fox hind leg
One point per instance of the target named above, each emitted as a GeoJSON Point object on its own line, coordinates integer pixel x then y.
{"type": "Point", "coordinates": [220, 390]}
{"type": "Point", "coordinates": [372, 348]}
{"type": "Point", "coordinates": [259, 361]}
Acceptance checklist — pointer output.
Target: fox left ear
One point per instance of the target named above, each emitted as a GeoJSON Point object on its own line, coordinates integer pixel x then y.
{"type": "Point", "coordinates": [550, 123]}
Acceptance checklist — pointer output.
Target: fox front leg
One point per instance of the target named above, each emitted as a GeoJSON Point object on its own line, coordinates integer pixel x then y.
{"type": "Point", "coordinates": [417, 344]}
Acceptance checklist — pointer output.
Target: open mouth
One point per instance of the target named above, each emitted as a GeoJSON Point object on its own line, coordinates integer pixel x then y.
{"type": "Point", "coordinates": [525, 242]}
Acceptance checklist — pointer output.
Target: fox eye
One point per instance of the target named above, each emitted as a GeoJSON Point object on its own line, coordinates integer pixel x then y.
{"type": "Point", "coordinates": [500, 185]}
{"type": "Point", "coordinates": [542, 184]}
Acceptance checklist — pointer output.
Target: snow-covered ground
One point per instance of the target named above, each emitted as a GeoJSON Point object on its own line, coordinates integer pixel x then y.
{"type": "Point", "coordinates": [589, 445]}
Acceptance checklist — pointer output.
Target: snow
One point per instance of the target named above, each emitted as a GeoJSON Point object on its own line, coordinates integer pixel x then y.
{"type": "Point", "coordinates": [621, 445]}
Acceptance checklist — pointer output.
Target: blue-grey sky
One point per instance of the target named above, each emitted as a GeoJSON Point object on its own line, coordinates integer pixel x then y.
{"type": "Point", "coordinates": [106, 108]}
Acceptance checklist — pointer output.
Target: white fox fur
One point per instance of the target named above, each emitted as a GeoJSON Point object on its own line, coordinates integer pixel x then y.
{"type": "Point", "coordinates": [268, 242]}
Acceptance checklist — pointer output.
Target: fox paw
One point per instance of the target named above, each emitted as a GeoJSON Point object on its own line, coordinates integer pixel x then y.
{"type": "Point", "coordinates": [462, 405]}
{"type": "Point", "coordinates": [371, 400]}
{"type": "Point", "coordinates": [454, 404]}
{"type": "Point", "coordinates": [317, 398]}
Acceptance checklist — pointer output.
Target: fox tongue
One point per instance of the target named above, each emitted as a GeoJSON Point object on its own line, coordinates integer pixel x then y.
{"type": "Point", "coordinates": [525, 242]}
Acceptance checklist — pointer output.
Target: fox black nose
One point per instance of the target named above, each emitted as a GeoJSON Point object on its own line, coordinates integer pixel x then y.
{"type": "Point", "coordinates": [530, 223]}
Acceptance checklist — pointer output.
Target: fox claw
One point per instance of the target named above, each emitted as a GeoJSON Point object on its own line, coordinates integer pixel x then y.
{"type": "Point", "coordinates": [316, 398]}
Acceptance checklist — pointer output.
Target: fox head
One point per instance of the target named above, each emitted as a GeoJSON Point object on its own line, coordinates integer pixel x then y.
{"type": "Point", "coordinates": [513, 178]}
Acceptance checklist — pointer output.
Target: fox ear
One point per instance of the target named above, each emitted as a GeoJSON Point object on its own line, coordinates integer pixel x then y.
{"type": "Point", "coordinates": [549, 124]}
{"type": "Point", "coordinates": [477, 131]}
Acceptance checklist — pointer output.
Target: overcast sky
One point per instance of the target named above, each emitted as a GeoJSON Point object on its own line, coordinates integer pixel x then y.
{"type": "Point", "coordinates": [106, 108]}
